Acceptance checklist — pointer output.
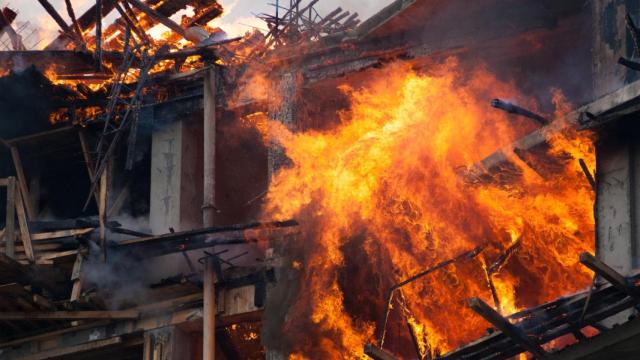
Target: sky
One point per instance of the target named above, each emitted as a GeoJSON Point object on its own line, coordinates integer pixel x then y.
{"type": "Point", "coordinates": [238, 18]}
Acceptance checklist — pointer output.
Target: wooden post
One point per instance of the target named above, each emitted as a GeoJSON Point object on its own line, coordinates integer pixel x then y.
{"type": "Point", "coordinates": [10, 223]}
{"type": "Point", "coordinates": [98, 53]}
{"type": "Point", "coordinates": [102, 213]}
{"type": "Point", "coordinates": [502, 324]}
{"type": "Point", "coordinates": [209, 316]}
{"type": "Point", "coordinates": [25, 236]}
{"type": "Point", "coordinates": [76, 276]}
{"type": "Point", "coordinates": [209, 190]}
{"type": "Point", "coordinates": [22, 183]}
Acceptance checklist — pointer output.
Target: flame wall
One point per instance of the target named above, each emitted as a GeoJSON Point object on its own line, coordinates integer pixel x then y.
{"type": "Point", "coordinates": [380, 197]}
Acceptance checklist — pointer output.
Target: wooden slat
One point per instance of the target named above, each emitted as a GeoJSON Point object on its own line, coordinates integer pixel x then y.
{"type": "Point", "coordinates": [10, 222]}
{"type": "Point", "coordinates": [69, 315]}
{"type": "Point", "coordinates": [25, 237]}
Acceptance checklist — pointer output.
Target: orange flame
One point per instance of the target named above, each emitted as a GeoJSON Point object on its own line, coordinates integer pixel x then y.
{"type": "Point", "coordinates": [381, 197]}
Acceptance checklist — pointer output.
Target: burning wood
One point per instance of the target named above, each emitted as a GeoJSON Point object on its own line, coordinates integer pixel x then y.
{"type": "Point", "coordinates": [515, 109]}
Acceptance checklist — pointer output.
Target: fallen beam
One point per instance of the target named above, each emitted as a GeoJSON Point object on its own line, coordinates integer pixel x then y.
{"type": "Point", "coordinates": [502, 324]}
{"type": "Point", "coordinates": [377, 353]}
{"type": "Point", "coordinates": [70, 315]}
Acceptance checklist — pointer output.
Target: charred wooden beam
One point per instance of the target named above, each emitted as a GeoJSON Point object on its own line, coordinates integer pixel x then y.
{"type": "Point", "coordinates": [98, 51]}
{"type": "Point", "coordinates": [74, 20]}
{"type": "Point", "coordinates": [86, 21]}
{"type": "Point", "coordinates": [635, 33]}
{"type": "Point", "coordinates": [159, 17]}
{"type": "Point", "coordinates": [506, 327]}
{"type": "Point", "coordinates": [616, 279]}
{"type": "Point", "coordinates": [70, 315]}
{"type": "Point", "coordinates": [55, 15]}
{"type": "Point", "coordinates": [377, 353]}
{"type": "Point", "coordinates": [518, 110]}
{"type": "Point", "coordinates": [130, 22]}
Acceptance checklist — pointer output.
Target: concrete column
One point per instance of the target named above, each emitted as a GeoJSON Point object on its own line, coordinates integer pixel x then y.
{"type": "Point", "coordinates": [616, 245]}
{"type": "Point", "coordinates": [166, 166]}
{"type": "Point", "coordinates": [209, 191]}
{"type": "Point", "coordinates": [612, 41]}
{"type": "Point", "coordinates": [283, 106]}
{"type": "Point", "coordinates": [209, 313]}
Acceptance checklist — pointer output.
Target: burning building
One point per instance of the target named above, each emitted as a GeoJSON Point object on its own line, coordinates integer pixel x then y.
{"type": "Point", "coordinates": [442, 180]}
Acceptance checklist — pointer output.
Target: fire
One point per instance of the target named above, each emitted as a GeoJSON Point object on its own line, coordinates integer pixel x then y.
{"type": "Point", "coordinates": [383, 196]}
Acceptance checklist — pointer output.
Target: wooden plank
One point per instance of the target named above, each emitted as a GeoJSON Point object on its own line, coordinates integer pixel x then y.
{"type": "Point", "coordinates": [32, 138]}
{"type": "Point", "coordinates": [70, 315]}
{"type": "Point", "coordinates": [10, 222]}
{"type": "Point", "coordinates": [57, 255]}
{"type": "Point", "coordinates": [59, 352]}
{"type": "Point", "coordinates": [25, 237]}
{"type": "Point", "coordinates": [209, 311]}
{"type": "Point", "coordinates": [612, 276]}
{"type": "Point", "coordinates": [502, 324]}
{"type": "Point", "coordinates": [60, 234]}
{"type": "Point", "coordinates": [171, 303]}
{"type": "Point", "coordinates": [22, 182]}
{"type": "Point", "coordinates": [377, 353]}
